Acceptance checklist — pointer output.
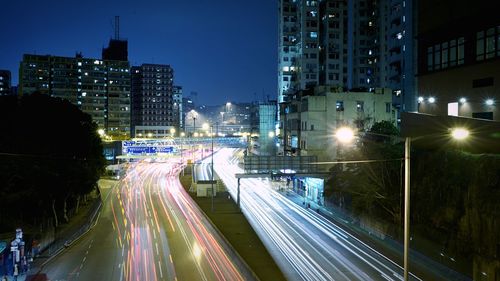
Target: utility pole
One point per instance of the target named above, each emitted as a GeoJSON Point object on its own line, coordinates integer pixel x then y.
{"type": "Point", "coordinates": [212, 164]}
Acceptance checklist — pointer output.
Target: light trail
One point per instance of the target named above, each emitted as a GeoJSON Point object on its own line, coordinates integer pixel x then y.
{"type": "Point", "coordinates": [313, 247]}
{"type": "Point", "coordinates": [152, 208]}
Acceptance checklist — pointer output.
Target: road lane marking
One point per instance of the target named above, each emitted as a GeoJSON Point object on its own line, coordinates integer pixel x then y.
{"type": "Point", "coordinates": [161, 271]}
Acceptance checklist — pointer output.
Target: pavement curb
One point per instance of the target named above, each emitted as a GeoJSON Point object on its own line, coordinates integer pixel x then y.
{"type": "Point", "coordinates": [94, 218]}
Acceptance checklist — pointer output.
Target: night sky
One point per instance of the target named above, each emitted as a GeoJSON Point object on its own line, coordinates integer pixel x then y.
{"type": "Point", "coordinates": [224, 50]}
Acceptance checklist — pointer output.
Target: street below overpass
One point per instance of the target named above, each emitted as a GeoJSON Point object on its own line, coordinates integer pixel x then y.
{"type": "Point", "coordinates": [306, 245]}
{"type": "Point", "coordinates": [149, 229]}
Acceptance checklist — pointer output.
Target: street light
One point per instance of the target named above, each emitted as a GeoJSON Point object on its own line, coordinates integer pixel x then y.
{"type": "Point", "coordinates": [459, 133]}
{"type": "Point", "coordinates": [222, 120]}
{"type": "Point", "coordinates": [346, 134]}
{"type": "Point", "coordinates": [212, 165]}
{"type": "Point", "coordinates": [194, 115]}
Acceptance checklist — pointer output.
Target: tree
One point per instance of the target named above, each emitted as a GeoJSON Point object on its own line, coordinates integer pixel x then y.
{"type": "Point", "coordinates": [373, 188]}
{"type": "Point", "coordinates": [50, 154]}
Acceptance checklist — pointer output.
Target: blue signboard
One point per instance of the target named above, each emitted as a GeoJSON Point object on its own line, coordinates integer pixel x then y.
{"type": "Point", "coordinates": [147, 149]}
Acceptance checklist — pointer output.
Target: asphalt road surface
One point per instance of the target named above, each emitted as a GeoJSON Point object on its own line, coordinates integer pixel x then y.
{"type": "Point", "coordinates": [305, 245]}
{"type": "Point", "coordinates": [149, 229]}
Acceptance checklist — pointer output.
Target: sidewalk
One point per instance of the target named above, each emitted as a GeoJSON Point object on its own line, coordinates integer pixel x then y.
{"type": "Point", "coordinates": [67, 233]}
{"type": "Point", "coordinates": [387, 246]}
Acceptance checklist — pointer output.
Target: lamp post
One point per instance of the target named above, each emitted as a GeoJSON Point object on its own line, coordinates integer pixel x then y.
{"type": "Point", "coordinates": [194, 115]}
{"type": "Point", "coordinates": [346, 135]}
{"type": "Point", "coordinates": [407, 209]}
{"type": "Point", "coordinates": [222, 122]}
{"type": "Point", "coordinates": [194, 125]}
{"type": "Point", "coordinates": [212, 165]}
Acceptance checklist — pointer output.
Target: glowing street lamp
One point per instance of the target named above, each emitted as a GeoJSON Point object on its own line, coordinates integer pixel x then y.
{"type": "Point", "coordinates": [459, 133]}
{"type": "Point", "coordinates": [101, 132]}
{"type": "Point", "coordinates": [345, 135]}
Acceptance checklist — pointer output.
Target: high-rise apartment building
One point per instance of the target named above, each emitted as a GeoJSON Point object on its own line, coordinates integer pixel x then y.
{"type": "Point", "coordinates": [152, 102]}
{"type": "Point", "coordinates": [5, 83]}
{"type": "Point", "coordinates": [399, 55]}
{"type": "Point", "coordinates": [356, 45]}
{"type": "Point", "coordinates": [100, 88]}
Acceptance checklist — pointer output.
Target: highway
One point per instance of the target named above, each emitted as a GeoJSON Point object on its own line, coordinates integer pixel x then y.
{"type": "Point", "coordinates": [305, 245]}
{"type": "Point", "coordinates": [149, 229]}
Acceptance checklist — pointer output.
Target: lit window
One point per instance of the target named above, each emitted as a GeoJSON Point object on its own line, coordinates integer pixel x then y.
{"type": "Point", "coordinates": [313, 34]}
{"type": "Point", "coordinates": [340, 105]}
{"type": "Point", "coordinates": [453, 109]}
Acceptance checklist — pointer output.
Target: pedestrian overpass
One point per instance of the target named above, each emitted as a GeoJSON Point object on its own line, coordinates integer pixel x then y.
{"type": "Point", "coordinates": [170, 147]}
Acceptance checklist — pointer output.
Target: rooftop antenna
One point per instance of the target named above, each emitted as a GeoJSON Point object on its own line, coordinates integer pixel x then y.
{"type": "Point", "coordinates": [117, 27]}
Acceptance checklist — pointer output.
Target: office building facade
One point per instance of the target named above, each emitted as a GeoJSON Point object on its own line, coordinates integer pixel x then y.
{"type": "Point", "coordinates": [459, 65]}
{"type": "Point", "coordinates": [152, 97]}
{"type": "Point", "coordinates": [100, 88]}
{"type": "Point", "coordinates": [308, 123]}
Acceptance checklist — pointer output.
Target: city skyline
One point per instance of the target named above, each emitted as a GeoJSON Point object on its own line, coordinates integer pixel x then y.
{"type": "Point", "coordinates": [194, 38]}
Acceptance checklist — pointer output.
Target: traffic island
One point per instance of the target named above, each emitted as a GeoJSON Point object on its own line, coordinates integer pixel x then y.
{"type": "Point", "coordinates": [228, 219]}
